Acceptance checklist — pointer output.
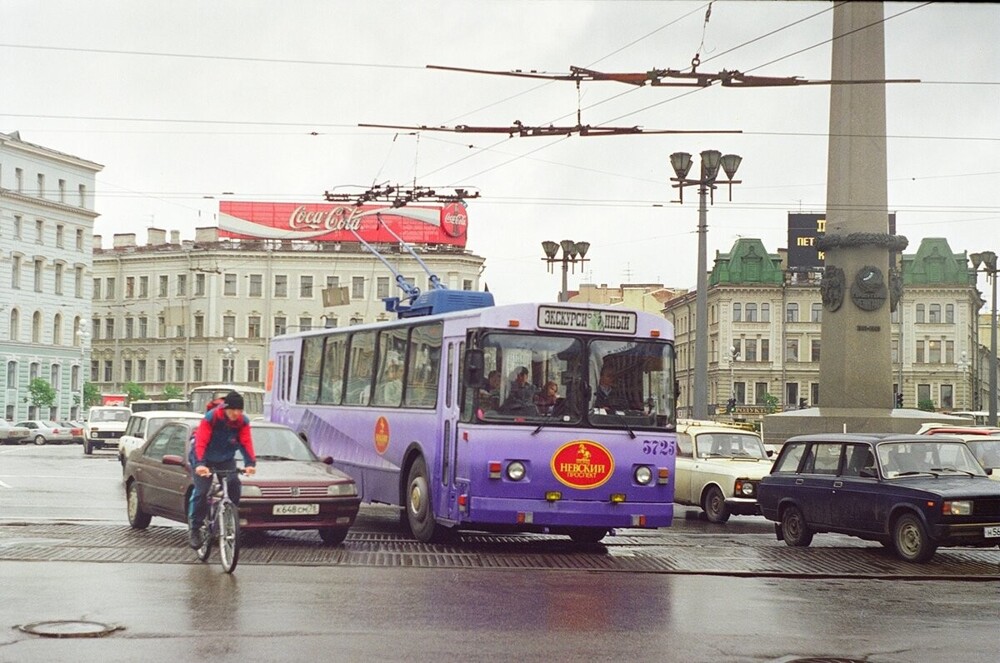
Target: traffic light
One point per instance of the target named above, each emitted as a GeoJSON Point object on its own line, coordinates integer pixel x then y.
{"type": "Point", "coordinates": [899, 400]}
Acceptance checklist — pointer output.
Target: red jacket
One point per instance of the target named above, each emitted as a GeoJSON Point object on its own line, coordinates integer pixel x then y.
{"type": "Point", "coordinates": [217, 439]}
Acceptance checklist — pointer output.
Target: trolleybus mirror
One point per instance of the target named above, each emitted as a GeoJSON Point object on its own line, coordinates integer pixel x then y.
{"type": "Point", "coordinates": [474, 366]}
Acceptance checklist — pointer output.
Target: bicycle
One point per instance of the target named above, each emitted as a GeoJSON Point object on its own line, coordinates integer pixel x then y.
{"type": "Point", "coordinates": [222, 523]}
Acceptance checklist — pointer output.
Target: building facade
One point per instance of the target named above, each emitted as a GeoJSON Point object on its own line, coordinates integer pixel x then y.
{"type": "Point", "coordinates": [46, 239]}
{"type": "Point", "coordinates": [191, 313]}
{"type": "Point", "coordinates": [764, 333]}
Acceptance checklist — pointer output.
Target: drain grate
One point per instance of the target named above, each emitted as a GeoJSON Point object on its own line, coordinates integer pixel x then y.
{"type": "Point", "coordinates": [70, 629]}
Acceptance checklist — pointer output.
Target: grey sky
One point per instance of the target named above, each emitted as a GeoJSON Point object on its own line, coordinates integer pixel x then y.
{"type": "Point", "coordinates": [183, 100]}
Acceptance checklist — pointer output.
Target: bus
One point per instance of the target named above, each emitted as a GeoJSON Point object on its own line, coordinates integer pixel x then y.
{"type": "Point", "coordinates": [437, 414]}
{"type": "Point", "coordinates": [253, 397]}
{"type": "Point", "coordinates": [168, 404]}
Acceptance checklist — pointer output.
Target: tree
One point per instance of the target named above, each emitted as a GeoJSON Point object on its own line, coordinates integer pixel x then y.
{"type": "Point", "coordinates": [42, 393]}
{"type": "Point", "coordinates": [771, 402]}
{"type": "Point", "coordinates": [927, 405]}
{"type": "Point", "coordinates": [134, 392]}
{"type": "Point", "coordinates": [91, 394]}
{"type": "Point", "coordinates": [172, 391]}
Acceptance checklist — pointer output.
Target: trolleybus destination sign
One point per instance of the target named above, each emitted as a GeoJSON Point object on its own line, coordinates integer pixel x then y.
{"type": "Point", "coordinates": [572, 319]}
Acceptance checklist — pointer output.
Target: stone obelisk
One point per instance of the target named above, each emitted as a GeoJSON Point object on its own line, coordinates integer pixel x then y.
{"type": "Point", "coordinates": [855, 361]}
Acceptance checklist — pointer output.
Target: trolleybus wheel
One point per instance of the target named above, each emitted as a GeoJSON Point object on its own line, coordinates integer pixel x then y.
{"type": "Point", "coordinates": [419, 511]}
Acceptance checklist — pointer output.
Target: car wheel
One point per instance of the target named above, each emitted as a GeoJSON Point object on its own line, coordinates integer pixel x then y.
{"type": "Point", "coordinates": [419, 511]}
{"type": "Point", "coordinates": [910, 539]}
{"type": "Point", "coordinates": [137, 518]}
{"type": "Point", "coordinates": [87, 448]}
{"type": "Point", "coordinates": [39, 440]}
{"type": "Point", "coordinates": [714, 505]}
{"type": "Point", "coordinates": [333, 536]}
{"type": "Point", "coordinates": [794, 528]}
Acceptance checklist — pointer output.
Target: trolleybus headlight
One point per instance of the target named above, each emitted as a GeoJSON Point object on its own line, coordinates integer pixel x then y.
{"type": "Point", "coordinates": [515, 470]}
{"type": "Point", "coordinates": [643, 475]}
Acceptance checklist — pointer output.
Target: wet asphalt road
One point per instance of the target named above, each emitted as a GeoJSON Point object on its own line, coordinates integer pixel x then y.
{"type": "Point", "coordinates": [695, 592]}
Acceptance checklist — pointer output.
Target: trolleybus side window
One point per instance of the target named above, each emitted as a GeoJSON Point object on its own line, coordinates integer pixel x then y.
{"type": "Point", "coordinates": [391, 353]}
{"type": "Point", "coordinates": [334, 360]}
{"type": "Point", "coordinates": [423, 366]}
{"type": "Point", "coordinates": [312, 362]}
{"type": "Point", "coordinates": [361, 359]}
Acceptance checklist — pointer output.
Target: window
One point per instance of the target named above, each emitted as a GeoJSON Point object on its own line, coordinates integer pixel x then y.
{"type": "Point", "coordinates": [143, 287]}
{"type": "Point", "coordinates": [466, 284]}
{"type": "Point", "coordinates": [792, 393]}
{"type": "Point", "coordinates": [751, 312]}
{"type": "Point", "coordinates": [923, 393]}
{"type": "Point", "coordinates": [141, 370]}
{"type": "Point", "coordinates": [110, 291]}
{"type": "Point", "coordinates": [382, 287]}
{"type": "Point", "coordinates": [229, 325]}
{"type": "Point", "coordinates": [164, 286]}
{"type": "Point", "coordinates": [934, 313]}
{"type": "Point", "coordinates": [12, 375]}
{"type": "Point", "coordinates": [41, 185]}
{"type": "Point", "coordinates": [253, 370]}
{"type": "Point", "coordinates": [143, 327]}
{"type": "Point", "coordinates": [15, 272]}
{"type": "Point", "coordinates": [949, 352]}
{"type": "Point", "coordinates": [765, 349]}
{"type": "Point", "coordinates": [199, 326]}
{"type": "Point", "coordinates": [34, 370]}
{"type": "Point", "coordinates": [331, 322]}
{"type": "Point", "coordinates": [74, 377]}
{"type": "Point", "coordinates": [305, 324]}
{"type": "Point", "coordinates": [814, 350]}
{"type": "Point", "coordinates": [161, 327]}
{"type": "Point", "coordinates": [791, 349]}
{"type": "Point", "coordinates": [78, 281]}
{"type": "Point", "coordinates": [765, 313]}
{"type": "Point", "coordinates": [947, 396]}
{"type": "Point", "coordinates": [36, 327]}
{"type": "Point", "coordinates": [39, 273]}
{"type": "Point", "coordinates": [17, 226]}
{"type": "Point", "coordinates": [59, 278]}
{"type": "Point", "coordinates": [161, 370]}
{"type": "Point", "coordinates": [360, 368]}
{"type": "Point", "coordinates": [357, 287]}
{"type": "Point", "coordinates": [256, 285]}
{"type": "Point", "coordinates": [750, 350]}
{"type": "Point", "coordinates": [306, 287]}
{"type": "Point", "coordinates": [197, 370]}
{"type": "Point", "coordinates": [79, 239]}
{"type": "Point", "coordinates": [127, 370]}
{"type": "Point", "coordinates": [934, 352]}
{"type": "Point", "coordinates": [823, 459]}
{"type": "Point", "coordinates": [19, 180]}
{"type": "Point", "coordinates": [182, 284]}
{"type": "Point", "coordinates": [62, 192]}
{"type": "Point", "coordinates": [280, 325]}
{"type": "Point", "coordinates": [229, 285]}
{"type": "Point", "coordinates": [179, 370]}
{"type": "Point", "coordinates": [814, 393]}
{"type": "Point", "coordinates": [760, 393]}
{"type": "Point", "coordinates": [82, 191]}
{"type": "Point", "coordinates": [108, 370]}
{"type": "Point", "coordinates": [95, 325]}
{"type": "Point", "coordinates": [816, 312]}
{"type": "Point", "coordinates": [920, 313]}
{"type": "Point", "coordinates": [59, 233]}
{"type": "Point", "coordinates": [280, 285]}
{"type": "Point", "coordinates": [253, 326]}
{"type": "Point", "coordinates": [39, 231]}
{"type": "Point", "coordinates": [949, 314]}
{"type": "Point", "coordinates": [95, 370]}
{"type": "Point", "coordinates": [792, 312]}
{"type": "Point", "coordinates": [129, 287]}
{"type": "Point", "coordinates": [199, 285]}
{"type": "Point", "coordinates": [129, 327]}
{"type": "Point", "coordinates": [737, 312]}
{"type": "Point", "coordinates": [109, 328]}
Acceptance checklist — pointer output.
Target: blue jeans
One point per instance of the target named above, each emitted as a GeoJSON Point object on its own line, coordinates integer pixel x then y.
{"type": "Point", "coordinates": [198, 504]}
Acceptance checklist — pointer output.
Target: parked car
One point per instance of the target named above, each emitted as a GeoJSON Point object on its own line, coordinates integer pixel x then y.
{"type": "Point", "coordinates": [950, 429]}
{"type": "Point", "coordinates": [41, 431]}
{"type": "Point", "coordinates": [912, 493]}
{"type": "Point", "coordinates": [143, 424]}
{"type": "Point", "coordinates": [292, 489]}
{"type": "Point", "coordinates": [986, 449]}
{"type": "Point", "coordinates": [104, 426]}
{"type": "Point", "coordinates": [75, 429]}
{"type": "Point", "coordinates": [11, 434]}
{"type": "Point", "coordinates": [718, 468]}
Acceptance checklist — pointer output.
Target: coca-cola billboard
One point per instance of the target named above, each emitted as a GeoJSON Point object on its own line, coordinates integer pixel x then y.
{"type": "Point", "coordinates": [328, 222]}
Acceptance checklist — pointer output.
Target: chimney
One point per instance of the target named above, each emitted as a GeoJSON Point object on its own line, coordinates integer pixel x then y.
{"type": "Point", "coordinates": [175, 236]}
{"type": "Point", "coordinates": [97, 241]}
{"type": "Point", "coordinates": [124, 240]}
{"type": "Point", "coordinates": [207, 235]}
{"type": "Point", "coordinates": [156, 236]}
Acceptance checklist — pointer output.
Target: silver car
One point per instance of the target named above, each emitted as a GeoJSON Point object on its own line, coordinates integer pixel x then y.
{"type": "Point", "coordinates": [11, 434]}
{"type": "Point", "coordinates": [41, 431]}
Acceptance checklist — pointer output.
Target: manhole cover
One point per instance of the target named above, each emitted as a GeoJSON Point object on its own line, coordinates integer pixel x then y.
{"type": "Point", "coordinates": [69, 629]}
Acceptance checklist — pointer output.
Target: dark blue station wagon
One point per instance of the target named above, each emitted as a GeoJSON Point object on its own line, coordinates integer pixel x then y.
{"type": "Point", "coordinates": [911, 493]}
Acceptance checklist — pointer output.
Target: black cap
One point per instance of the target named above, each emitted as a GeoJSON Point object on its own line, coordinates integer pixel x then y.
{"type": "Point", "coordinates": [233, 401]}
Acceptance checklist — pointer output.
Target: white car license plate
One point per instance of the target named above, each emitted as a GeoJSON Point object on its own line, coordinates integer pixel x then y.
{"type": "Point", "coordinates": [991, 532]}
{"type": "Point", "coordinates": [295, 509]}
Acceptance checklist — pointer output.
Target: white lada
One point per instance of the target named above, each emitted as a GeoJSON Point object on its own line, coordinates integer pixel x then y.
{"type": "Point", "coordinates": [719, 468]}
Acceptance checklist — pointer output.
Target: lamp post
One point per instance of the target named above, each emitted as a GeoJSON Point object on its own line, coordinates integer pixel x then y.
{"type": "Point", "coordinates": [229, 352]}
{"type": "Point", "coordinates": [706, 183]}
{"type": "Point", "coordinates": [988, 260]}
{"type": "Point", "coordinates": [572, 253]}
{"type": "Point", "coordinates": [83, 334]}
{"type": "Point", "coordinates": [734, 354]}
{"type": "Point", "coordinates": [964, 365]}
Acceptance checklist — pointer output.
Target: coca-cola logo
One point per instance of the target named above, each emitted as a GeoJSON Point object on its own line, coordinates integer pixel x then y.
{"type": "Point", "coordinates": [335, 218]}
{"type": "Point", "coordinates": [454, 219]}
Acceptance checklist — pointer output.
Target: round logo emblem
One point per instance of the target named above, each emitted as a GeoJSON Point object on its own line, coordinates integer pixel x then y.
{"type": "Point", "coordinates": [454, 219]}
{"type": "Point", "coordinates": [381, 435]}
{"type": "Point", "coordinates": [582, 464]}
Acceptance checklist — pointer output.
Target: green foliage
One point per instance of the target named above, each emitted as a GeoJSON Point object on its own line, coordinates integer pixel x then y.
{"type": "Point", "coordinates": [927, 405]}
{"type": "Point", "coordinates": [172, 391]}
{"type": "Point", "coordinates": [42, 393]}
{"type": "Point", "coordinates": [91, 394]}
{"type": "Point", "coordinates": [771, 402]}
{"type": "Point", "coordinates": [134, 392]}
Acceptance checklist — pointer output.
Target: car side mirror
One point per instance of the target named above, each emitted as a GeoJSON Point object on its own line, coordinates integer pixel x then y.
{"type": "Point", "coordinates": [328, 460]}
{"type": "Point", "coordinates": [172, 459]}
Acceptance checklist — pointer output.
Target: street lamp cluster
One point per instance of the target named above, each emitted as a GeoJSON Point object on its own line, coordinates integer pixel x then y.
{"type": "Point", "coordinates": [711, 160]}
{"type": "Point", "coordinates": [572, 253]}
{"type": "Point", "coordinates": [986, 262]}
{"type": "Point", "coordinates": [229, 352]}
{"type": "Point", "coordinates": [83, 334]}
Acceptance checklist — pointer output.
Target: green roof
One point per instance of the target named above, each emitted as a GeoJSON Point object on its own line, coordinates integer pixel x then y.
{"type": "Point", "coordinates": [747, 262]}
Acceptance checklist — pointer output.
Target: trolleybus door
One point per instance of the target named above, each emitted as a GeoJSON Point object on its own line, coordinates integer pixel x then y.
{"type": "Point", "coordinates": [450, 416]}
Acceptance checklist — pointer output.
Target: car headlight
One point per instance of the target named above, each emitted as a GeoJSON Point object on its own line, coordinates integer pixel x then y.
{"type": "Point", "coordinates": [957, 508]}
{"type": "Point", "coordinates": [250, 491]}
{"type": "Point", "coordinates": [341, 489]}
{"type": "Point", "coordinates": [515, 470]}
{"type": "Point", "coordinates": [745, 488]}
{"type": "Point", "coordinates": [643, 475]}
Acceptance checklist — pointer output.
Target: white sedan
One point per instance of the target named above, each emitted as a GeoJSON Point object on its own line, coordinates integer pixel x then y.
{"type": "Point", "coordinates": [41, 431]}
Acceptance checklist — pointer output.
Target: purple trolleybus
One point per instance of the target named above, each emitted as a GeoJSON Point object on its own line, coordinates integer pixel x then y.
{"type": "Point", "coordinates": [527, 417]}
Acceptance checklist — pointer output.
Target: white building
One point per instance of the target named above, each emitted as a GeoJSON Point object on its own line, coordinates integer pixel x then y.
{"type": "Point", "coordinates": [46, 234]}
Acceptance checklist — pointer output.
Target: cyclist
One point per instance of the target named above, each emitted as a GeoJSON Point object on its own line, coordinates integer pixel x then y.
{"type": "Point", "coordinates": [223, 430]}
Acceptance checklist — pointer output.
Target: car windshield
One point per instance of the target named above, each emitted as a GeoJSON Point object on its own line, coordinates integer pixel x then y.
{"type": "Point", "coordinates": [986, 451]}
{"type": "Point", "coordinates": [110, 415]}
{"type": "Point", "coordinates": [279, 444]}
{"type": "Point", "coordinates": [729, 445]}
{"type": "Point", "coordinates": [902, 459]}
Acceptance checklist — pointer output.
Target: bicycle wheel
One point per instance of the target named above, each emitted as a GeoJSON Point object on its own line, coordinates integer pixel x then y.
{"type": "Point", "coordinates": [229, 536]}
{"type": "Point", "coordinates": [206, 538]}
